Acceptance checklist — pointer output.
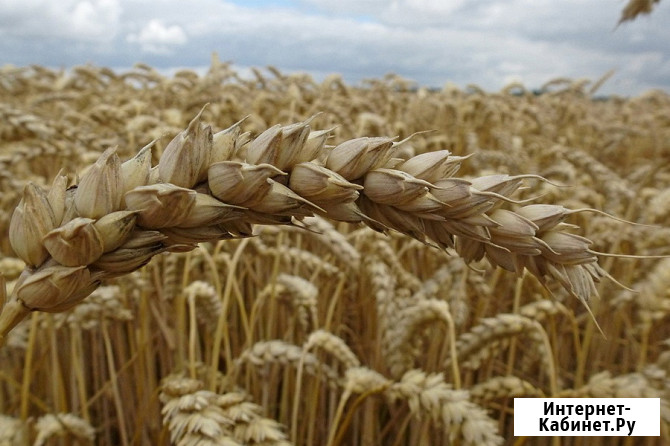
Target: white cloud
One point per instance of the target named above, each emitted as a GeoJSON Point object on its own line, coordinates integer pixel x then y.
{"type": "Point", "coordinates": [96, 18]}
{"type": "Point", "coordinates": [91, 20]}
{"type": "Point", "coordinates": [155, 37]}
{"type": "Point", "coordinates": [487, 42]}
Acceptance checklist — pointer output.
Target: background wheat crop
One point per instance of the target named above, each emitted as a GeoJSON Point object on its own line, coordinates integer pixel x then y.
{"type": "Point", "coordinates": [382, 264]}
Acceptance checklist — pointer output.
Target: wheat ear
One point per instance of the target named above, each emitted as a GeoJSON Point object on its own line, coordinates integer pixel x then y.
{"type": "Point", "coordinates": [13, 430]}
{"type": "Point", "coordinates": [197, 417]}
{"type": "Point", "coordinates": [122, 214]}
{"type": "Point", "coordinates": [63, 424]}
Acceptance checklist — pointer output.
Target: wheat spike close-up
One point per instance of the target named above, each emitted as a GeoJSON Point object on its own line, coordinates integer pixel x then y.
{"type": "Point", "coordinates": [210, 186]}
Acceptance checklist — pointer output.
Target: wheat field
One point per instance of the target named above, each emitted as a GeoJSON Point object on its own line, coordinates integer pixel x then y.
{"type": "Point", "coordinates": [217, 260]}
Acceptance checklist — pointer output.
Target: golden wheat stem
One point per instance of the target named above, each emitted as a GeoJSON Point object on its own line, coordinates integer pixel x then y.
{"type": "Point", "coordinates": [181, 315]}
{"type": "Point", "coordinates": [334, 424]}
{"type": "Point", "coordinates": [244, 318]}
{"type": "Point", "coordinates": [192, 336]}
{"type": "Point", "coordinates": [346, 422]}
{"type": "Point", "coordinates": [3, 294]}
{"type": "Point", "coordinates": [57, 384]}
{"type": "Point", "coordinates": [515, 309]}
{"type": "Point", "coordinates": [333, 302]}
{"type": "Point", "coordinates": [274, 272]}
{"type": "Point", "coordinates": [298, 393]}
{"type": "Point", "coordinates": [78, 369]}
{"type": "Point", "coordinates": [28, 366]}
{"type": "Point", "coordinates": [453, 352]}
{"type": "Point", "coordinates": [220, 325]}
{"type": "Point", "coordinates": [113, 377]}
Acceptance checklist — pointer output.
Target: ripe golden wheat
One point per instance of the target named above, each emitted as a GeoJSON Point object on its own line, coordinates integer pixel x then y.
{"type": "Point", "coordinates": [288, 325]}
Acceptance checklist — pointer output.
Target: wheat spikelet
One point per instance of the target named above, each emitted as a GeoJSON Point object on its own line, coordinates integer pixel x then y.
{"type": "Point", "coordinates": [207, 303]}
{"type": "Point", "coordinates": [542, 309]}
{"type": "Point", "coordinates": [299, 293]}
{"type": "Point", "coordinates": [427, 395]}
{"type": "Point", "coordinates": [503, 387]}
{"type": "Point", "coordinates": [63, 424]}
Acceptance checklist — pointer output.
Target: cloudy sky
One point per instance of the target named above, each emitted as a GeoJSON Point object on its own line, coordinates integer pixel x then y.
{"type": "Point", "coordinates": [486, 42]}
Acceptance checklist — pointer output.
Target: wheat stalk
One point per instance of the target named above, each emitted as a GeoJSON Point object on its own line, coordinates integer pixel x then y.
{"type": "Point", "coordinates": [122, 214]}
